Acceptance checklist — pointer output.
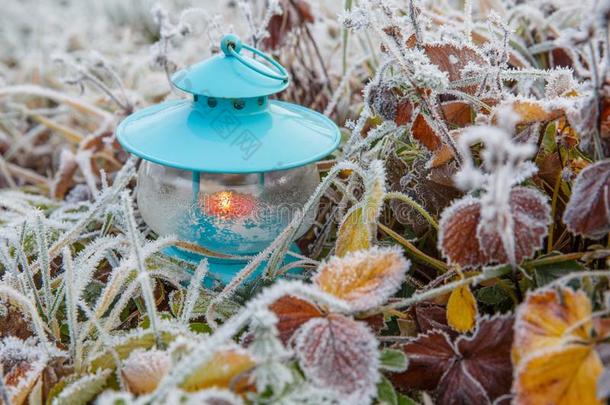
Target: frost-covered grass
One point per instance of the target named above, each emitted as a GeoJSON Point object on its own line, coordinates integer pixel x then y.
{"type": "Point", "coordinates": [459, 252]}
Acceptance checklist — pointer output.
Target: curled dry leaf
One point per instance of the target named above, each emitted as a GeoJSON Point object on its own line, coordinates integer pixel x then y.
{"type": "Point", "coordinates": [225, 369]}
{"type": "Point", "coordinates": [529, 111]}
{"type": "Point", "coordinates": [466, 241]}
{"type": "Point", "coordinates": [366, 278]}
{"type": "Point", "coordinates": [467, 370]}
{"type": "Point", "coordinates": [340, 354]}
{"type": "Point", "coordinates": [588, 211]}
{"type": "Point", "coordinates": [462, 309]}
{"type": "Point", "coordinates": [458, 233]}
{"type": "Point", "coordinates": [143, 370]}
{"type": "Point", "coordinates": [554, 353]}
{"type": "Point", "coordinates": [292, 312]}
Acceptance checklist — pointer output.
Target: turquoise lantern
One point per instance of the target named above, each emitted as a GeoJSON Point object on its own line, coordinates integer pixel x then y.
{"type": "Point", "coordinates": [228, 168]}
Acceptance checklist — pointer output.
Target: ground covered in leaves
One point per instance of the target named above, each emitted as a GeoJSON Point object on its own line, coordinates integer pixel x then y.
{"type": "Point", "coordinates": [460, 250]}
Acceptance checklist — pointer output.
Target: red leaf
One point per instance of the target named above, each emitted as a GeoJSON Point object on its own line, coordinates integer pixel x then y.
{"type": "Point", "coordinates": [429, 355]}
{"type": "Point", "coordinates": [469, 370]}
{"type": "Point", "coordinates": [587, 212]}
{"type": "Point", "coordinates": [430, 316]}
{"type": "Point", "coordinates": [340, 354]}
{"type": "Point", "coordinates": [458, 233]}
{"type": "Point", "coordinates": [292, 312]}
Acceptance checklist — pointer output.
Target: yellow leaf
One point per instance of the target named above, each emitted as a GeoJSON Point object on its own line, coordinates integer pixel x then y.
{"type": "Point", "coordinates": [564, 376]}
{"type": "Point", "coordinates": [530, 111]}
{"type": "Point", "coordinates": [365, 278]}
{"type": "Point", "coordinates": [221, 371]}
{"type": "Point", "coordinates": [553, 349]}
{"type": "Point", "coordinates": [353, 233]}
{"type": "Point", "coordinates": [462, 309]}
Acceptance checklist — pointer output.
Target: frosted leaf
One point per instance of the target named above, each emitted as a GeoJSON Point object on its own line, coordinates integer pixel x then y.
{"type": "Point", "coordinates": [470, 242]}
{"type": "Point", "coordinates": [451, 59]}
{"type": "Point", "coordinates": [144, 369]}
{"type": "Point", "coordinates": [470, 369]}
{"type": "Point", "coordinates": [530, 215]}
{"type": "Point", "coordinates": [22, 364]}
{"type": "Point", "coordinates": [365, 278]}
{"type": "Point", "coordinates": [458, 233]}
{"type": "Point", "coordinates": [588, 213]}
{"type": "Point", "coordinates": [292, 312]}
{"type": "Point", "coordinates": [425, 74]}
{"type": "Point", "coordinates": [339, 354]}
{"type": "Point", "coordinates": [84, 389]}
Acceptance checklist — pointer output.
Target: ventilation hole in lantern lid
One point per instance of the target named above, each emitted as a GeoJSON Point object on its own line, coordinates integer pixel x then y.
{"type": "Point", "coordinates": [261, 100]}
{"type": "Point", "coordinates": [212, 102]}
{"type": "Point", "coordinates": [239, 104]}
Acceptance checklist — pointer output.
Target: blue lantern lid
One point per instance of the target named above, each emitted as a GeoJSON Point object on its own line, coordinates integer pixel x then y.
{"type": "Point", "coordinates": [230, 126]}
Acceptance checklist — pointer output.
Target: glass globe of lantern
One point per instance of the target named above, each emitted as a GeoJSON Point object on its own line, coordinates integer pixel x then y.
{"type": "Point", "coordinates": [229, 168]}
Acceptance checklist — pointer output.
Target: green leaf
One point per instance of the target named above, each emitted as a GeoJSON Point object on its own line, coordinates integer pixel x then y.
{"type": "Point", "coordinates": [386, 394]}
{"type": "Point", "coordinates": [200, 327]}
{"type": "Point", "coordinates": [393, 360]}
{"type": "Point", "coordinates": [545, 274]}
{"type": "Point", "coordinates": [405, 400]}
{"type": "Point", "coordinates": [492, 295]}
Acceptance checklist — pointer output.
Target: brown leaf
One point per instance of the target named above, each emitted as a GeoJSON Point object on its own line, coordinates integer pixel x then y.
{"type": "Point", "coordinates": [531, 216]}
{"type": "Point", "coordinates": [13, 322]}
{"type": "Point", "coordinates": [452, 59]}
{"type": "Point", "coordinates": [469, 370]}
{"type": "Point", "coordinates": [340, 354]}
{"type": "Point", "coordinates": [458, 233]}
{"type": "Point", "coordinates": [464, 240]}
{"type": "Point", "coordinates": [292, 312]}
{"type": "Point", "coordinates": [404, 111]}
{"type": "Point", "coordinates": [587, 212]}
{"type": "Point", "coordinates": [456, 114]}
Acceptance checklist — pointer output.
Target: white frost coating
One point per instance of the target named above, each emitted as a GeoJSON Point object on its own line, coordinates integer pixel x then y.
{"type": "Point", "coordinates": [341, 355]}
{"type": "Point", "coordinates": [381, 284]}
{"type": "Point", "coordinates": [504, 165]}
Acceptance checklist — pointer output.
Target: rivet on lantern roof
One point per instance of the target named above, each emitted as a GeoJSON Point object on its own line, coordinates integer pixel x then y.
{"type": "Point", "coordinates": [230, 126]}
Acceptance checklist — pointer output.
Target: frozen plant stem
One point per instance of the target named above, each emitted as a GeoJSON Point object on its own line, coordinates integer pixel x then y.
{"type": "Point", "coordinates": [143, 277]}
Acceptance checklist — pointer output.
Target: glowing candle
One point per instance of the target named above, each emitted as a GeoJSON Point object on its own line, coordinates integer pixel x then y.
{"type": "Point", "coordinates": [227, 204]}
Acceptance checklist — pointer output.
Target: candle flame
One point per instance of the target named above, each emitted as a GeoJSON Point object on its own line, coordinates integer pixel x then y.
{"type": "Point", "coordinates": [227, 204]}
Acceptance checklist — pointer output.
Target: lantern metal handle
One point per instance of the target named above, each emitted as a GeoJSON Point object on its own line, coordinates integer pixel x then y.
{"type": "Point", "coordinates": [231, 45]}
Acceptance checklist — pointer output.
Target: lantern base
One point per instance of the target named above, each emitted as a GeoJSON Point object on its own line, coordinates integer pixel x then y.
{"type": "Point", "coordinates": [222, 271]}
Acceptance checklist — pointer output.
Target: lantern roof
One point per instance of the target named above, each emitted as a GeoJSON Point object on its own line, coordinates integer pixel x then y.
{"type": "Point", "coordinates": [231, 74]}
{"type": "Point", "coordinates": [234, 127]}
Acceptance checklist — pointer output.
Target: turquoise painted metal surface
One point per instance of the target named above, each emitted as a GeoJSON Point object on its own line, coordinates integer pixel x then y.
{"type": "Point", "coordinates": [220, 135]}
{"type": "Point", "coordinates": [232, 74]}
